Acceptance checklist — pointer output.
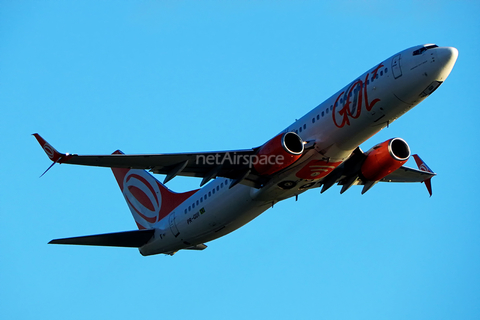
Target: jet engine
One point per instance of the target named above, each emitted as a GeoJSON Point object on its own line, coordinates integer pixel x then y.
{"type": "Point", "coordinates": [278, 153]}
{"type": "Point", "coordinates": [384, 158]}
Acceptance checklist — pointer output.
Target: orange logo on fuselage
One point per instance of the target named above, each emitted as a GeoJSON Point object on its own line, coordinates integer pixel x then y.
{"type": "Point", "coordinates": [316, 169]}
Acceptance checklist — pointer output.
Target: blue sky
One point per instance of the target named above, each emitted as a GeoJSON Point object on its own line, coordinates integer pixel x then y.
{"type": "Point", "coordinates": [175, 76]}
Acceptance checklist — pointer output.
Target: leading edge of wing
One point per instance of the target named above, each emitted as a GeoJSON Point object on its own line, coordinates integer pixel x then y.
{"type": "Point", "coordinates": [156, 162]}
{"type": "Point", "coordinates": [146, 161]}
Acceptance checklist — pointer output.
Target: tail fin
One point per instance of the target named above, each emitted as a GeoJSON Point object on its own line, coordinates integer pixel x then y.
{"type": "Point", "coordinates": [148, 199]}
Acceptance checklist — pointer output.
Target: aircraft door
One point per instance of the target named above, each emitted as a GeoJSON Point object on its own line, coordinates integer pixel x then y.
{"type": "Point", "coordinates": [173, 225]}
{"type": "Point", "coordinates": [396, 69]}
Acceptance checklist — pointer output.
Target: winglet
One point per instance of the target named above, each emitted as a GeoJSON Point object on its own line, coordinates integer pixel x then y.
{"type": "Point", "coordinates": [423, 166]}
{"type": "Point", "coordinates": [51, 152]}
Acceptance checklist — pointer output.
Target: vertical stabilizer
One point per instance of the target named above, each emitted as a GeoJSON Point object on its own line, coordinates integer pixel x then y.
{"type": "Point", "coordinates": [148, 199]}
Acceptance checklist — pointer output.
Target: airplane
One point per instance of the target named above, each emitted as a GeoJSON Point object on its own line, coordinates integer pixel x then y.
{"type": "Point", "coordinates": [319, 150]}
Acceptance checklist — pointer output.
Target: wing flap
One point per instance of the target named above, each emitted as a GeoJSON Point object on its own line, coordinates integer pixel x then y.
{"type": "Point", "coordinates": [129, 239]}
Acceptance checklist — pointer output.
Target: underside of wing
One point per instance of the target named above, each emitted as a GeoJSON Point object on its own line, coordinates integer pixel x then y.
{"type": "Point", "coordinates": [161, 163]}
{"type": "Point", "coordinates": [234, 164]}
{"type": "Point", "coordinates": [251, 167]}
{"type": "Point", "coordinates": [405, 174]}
{"type": "Point", "coordinates": [351, 173]}
{"type": "Point", "coordinates": [208, 165]}
{"type": "Point", "coordinates": [228, 164]}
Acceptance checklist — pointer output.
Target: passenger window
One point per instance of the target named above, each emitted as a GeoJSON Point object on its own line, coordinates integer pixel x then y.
{"type": "Point", "coordinates": [381, 73]}
{"type": "Point", "coordinates": [331, 108]}
{"type": "Point", "coordinates": [326, 111]}
{"type": "Point", "coordinates": [300, 129]}
{"type": "Point", "coordinates": [209, 193]}
{"type": "Point", "coordinates": [205, 197]}
{"type": "Point", "coordinates": [218, 188]}
{"type": "Point", "coordinates": [323, 114]}
{"type": "Point", "coordinates": [197, 202]}
{"type": "Point", "coordinates": [313, 120]}
{"type": "Point", "coordinates": [189, 208]}
{"type": "Point", "coordinates": [318, 117]}
{"type": "Point", "coordinates": [201, 200]}
{"type": "Point", "coordinates": [386, 70]}
{"type": "Point", "coordinates": [213, 191]}
{"type": "Point", "coordinates": [193, 205]}
{"type": "Point", "coordinates": [185, 211]}
{"type": "Point", "coordinates": [305, 126]}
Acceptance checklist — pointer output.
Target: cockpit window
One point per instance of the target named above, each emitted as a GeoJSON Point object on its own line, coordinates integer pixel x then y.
{"type": "Point", "coordinates": [425, 48]}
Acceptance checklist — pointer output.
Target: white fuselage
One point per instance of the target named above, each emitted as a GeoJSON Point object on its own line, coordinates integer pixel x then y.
{"type": "Point", "coordinates": [337, 126]}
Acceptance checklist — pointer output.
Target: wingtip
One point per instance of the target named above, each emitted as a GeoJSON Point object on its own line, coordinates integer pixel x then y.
{"type": "Point", "coordinates": [51, 152]}
{"type": "Point", "coordinates": [421, 164]}
{"type": "Point", "coordinates": [424, 167]}
{"type": "Point", "coordinates": [428, 184]}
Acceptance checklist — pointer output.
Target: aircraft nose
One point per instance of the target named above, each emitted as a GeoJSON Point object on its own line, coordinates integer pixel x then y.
{"type": "Point", "coordinates": [446, 56]}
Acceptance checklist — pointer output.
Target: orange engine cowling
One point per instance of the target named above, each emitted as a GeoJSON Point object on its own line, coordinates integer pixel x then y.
{"type": "Point", "coordinates": [385, 158]}
{"type": "Point", "coordinates": [278, 153]}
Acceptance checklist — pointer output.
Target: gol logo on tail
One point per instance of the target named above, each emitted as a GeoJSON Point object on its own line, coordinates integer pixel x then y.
{"type": "Point", "coordinates": [143, 196]}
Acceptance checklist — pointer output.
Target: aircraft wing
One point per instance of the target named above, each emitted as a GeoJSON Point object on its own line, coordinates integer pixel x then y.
{"type": "Point", "coordinates": [402, 174]}
{"type": "Point", "coordinates": [348, 174]}
{"type": "Point", "coordinates": [207, 165]}
{"type": "Point", "coordinates": [406, 174]}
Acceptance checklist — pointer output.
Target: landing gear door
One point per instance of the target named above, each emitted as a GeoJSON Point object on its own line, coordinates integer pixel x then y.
{"type": "Point", "coordinates": [396, 69]}
{"type": "Point", "coordinates": [173, 225]}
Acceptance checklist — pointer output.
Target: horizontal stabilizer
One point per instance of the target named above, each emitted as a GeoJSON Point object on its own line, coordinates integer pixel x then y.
{"type": "Point", "coordinates": [131, 239]}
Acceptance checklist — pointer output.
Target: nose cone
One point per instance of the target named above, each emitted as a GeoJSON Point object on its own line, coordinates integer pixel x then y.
{"type": "Point", "coordinates": [446, 57]}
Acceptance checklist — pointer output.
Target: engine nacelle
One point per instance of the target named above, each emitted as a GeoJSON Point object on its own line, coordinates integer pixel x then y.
{"type": "Point", "coordinates": [385, 158]}
{"type": "Point", "coordinates": [278, 153]}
